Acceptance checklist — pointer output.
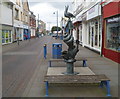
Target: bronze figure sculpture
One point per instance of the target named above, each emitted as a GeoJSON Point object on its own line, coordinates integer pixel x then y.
{"type": "Point", "coordinates": [69, 56]}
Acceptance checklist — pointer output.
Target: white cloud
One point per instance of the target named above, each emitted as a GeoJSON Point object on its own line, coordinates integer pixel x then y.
{"type": "Point", "coordinates": [46, 10]}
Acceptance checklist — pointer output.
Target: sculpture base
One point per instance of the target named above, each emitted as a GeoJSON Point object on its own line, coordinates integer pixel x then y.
{"type": "Point", "coordinates": [74, 73]}
{"type": "Point", "coordinates": [60, 70]}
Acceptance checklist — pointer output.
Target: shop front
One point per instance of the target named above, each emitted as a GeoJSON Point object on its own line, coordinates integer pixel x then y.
{"type": "Point", "coordinates": [78, 31]}
{"type": "Point", "coordinates": [94, 28]}
{"type": "Point", "coordinates": [77, 34]}
{"type": "Point", "coordinates": [94, 34]}
{"type": "Point", "coordinates": [32, 30]}
{"type": "Point", "coordinates": [84, 29]}
{"type": "Point", "coordinates": [111, 34]}
{"type": "Point", "coordinates": [26, 32]}
{"type": "Point", "coordinates": [7, 34]}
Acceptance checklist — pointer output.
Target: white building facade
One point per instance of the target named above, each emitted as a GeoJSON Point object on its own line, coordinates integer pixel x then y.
{"type": "Point", "coordinates": [6, 21]}
{"type": "Point", "coordinates": [88, 23]}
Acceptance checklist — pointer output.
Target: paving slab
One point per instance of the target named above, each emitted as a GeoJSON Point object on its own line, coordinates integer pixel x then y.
{"type": "Point", "coordinates": [60, 70]}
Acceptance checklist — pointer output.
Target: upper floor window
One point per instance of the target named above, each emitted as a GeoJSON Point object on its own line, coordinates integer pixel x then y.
{"type": "Point", "coordinates": [16, 14]}
{"type": "Point", "coordinates": [26, 18]}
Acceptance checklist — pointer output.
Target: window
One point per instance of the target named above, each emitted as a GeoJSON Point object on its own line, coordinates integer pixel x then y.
{"type": "Point", "coordinates": [96, 32]}
{"type": "Point", "coordinates": [10, 36]}
{"type": "Point", "coordinates": [16, 14]}
{"type": "Point", "coordinates": [89, 35]}
{"type": "Point", "coordinates": [113, 33]}
{"type": "Point", "coordinates": [26, 18]}
{"type": "Point", "coordinates": [3, 36]}
{"type": "Point", "coordinates": [9, 5]}
{"type": "Point", "coordinates": [6, 36]}
{"type": "Point", "coordinates": [21, 16]}
{"type": "Point", "coordinates": [80, 28]}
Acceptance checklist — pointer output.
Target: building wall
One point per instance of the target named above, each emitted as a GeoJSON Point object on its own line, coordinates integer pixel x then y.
{"type": "Point", "coordinates": [32, 24]}
{"type": "Point", "coordinates": [7, 22]}
{"type": "Point", "coordinates": [21, 19]}
{"type": "Point", "coordinates": [89, 12]}
{"type": "Point", "coordinates": [42, 27]}
{"type": "Point", "coordinates": [6, 17]}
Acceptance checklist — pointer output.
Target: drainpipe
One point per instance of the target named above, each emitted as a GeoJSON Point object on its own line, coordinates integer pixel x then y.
{"type": "Point", "coordinates": [101, 28]}
{"type": "Point", "coordinates": [12, 21]}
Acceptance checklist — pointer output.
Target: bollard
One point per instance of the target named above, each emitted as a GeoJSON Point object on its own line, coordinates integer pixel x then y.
{"type": "Point", "coordinates": [45, 50]}
{"type": "Point", "coordinates": [18, 40]}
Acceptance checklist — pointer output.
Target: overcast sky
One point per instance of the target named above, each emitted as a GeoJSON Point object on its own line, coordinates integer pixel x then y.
{"type": "Point", "coordinates": [46, 8]}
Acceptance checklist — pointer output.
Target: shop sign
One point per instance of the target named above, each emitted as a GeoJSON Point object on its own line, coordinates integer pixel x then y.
{"type": "Point", "coordinates": [84, 16]}
{"type": "Point", "coordinates": [114, 19]}
{"type": "Point", "coordinates": [25, 26]}
{"type": "Point", "coordinates": [94, 12]}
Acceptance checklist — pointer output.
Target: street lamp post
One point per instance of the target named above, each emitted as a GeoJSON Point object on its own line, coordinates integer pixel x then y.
{"type": "Point", "coordinates": [57, 23]}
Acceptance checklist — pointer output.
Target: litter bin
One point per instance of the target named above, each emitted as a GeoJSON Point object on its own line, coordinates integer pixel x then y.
{"type": "Point", "coordinates": [56, 50]}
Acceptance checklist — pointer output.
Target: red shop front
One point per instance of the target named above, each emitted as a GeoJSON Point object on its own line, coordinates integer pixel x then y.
{"type": "Point", "coordinates": [111, 31]}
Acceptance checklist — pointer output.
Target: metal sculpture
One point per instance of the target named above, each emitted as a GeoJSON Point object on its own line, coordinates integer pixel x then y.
{"type": "Point", "coordinates": [69, 56]}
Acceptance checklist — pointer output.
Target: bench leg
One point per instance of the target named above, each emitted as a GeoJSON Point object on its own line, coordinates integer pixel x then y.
{"type": "Point", "coordinates": [107, 84]}
{"type": "Point", "coordinates": [101, 84]}
{"type": "Point", "coordinates": [49, 63]}
{"type": "Point", "coordinates": [84, 63]}
{"type": "Point", "coordinates": [46, 84]}
{"type": "Point", "coordinates": [108, 88]}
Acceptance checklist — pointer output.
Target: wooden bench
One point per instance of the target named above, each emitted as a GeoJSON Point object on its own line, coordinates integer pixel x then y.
{"type": "Point", "coordinates": [80, 79]}
{"type": "Point", "coordinates": [62, 60]}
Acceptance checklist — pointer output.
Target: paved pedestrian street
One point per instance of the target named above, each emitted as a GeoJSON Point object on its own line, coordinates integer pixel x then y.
{"type": "Point", "coordinates": [59, 48]}
{"type": "Point", "coordinates": [24, 68]}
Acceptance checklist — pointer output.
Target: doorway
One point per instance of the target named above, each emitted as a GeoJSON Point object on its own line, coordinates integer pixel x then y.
{"type": "Point", "coordinates": [92, 36]}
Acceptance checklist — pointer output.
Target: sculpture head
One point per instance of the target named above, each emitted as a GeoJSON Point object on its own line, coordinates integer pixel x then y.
{"type": "Point", "coordinates": [68, 14]}
{"type": "Point", "coordinates": [66, 8]}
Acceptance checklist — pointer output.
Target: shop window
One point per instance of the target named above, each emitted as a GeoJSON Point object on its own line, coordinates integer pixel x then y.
{"type": "Point", "coordinates": [10, 36]}
{"type": "Point", "coordinates": [96, 33]}
{"type": "Point", "coordinates": [92, 36]}
{"type": "Point", "coordinates": [81, 33]}
{"type": "Point", "coordinates": [6, 36]}
{"type": "Point", "coordinates": [113, 33]}
{"type": "Point", "coordinates": [3, 37]}
{"type": "Point", "coordinates": [89, 35]}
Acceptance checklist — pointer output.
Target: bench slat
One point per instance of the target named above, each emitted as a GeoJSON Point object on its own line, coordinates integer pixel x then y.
{"type": "Point", "coordinates": [80, 59]}
{"type": "Point", "coordinates": [76, 78]}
